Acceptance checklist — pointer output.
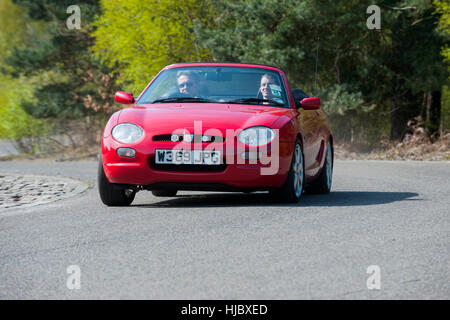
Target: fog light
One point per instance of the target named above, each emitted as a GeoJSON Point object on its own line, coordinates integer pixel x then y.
{"type": "Point", "coordinates": [126, 152]}
{"type": "Point", "coordinates": [251, 155]}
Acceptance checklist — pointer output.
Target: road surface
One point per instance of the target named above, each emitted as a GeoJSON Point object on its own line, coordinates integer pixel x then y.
{"type": "Point", "coordinates": [391, 217]}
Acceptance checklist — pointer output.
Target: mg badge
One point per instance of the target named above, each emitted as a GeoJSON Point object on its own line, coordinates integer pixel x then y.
{"type": "Point", "coordinates": [188, 137]}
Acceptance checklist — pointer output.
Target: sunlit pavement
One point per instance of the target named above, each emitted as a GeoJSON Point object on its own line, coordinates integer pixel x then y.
{"type": "Point", "coordinates": [393, 215]}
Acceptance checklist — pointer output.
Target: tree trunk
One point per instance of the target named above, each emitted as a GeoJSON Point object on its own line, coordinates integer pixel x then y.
{"type": "Point", "coordinates": [435, 112]}
{"type": "Point", "coordinates": [428, 112]}
{"type": "Point", "coordinates": [403, 109]}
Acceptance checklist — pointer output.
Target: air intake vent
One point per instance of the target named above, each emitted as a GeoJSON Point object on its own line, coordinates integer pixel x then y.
{"type": "Point", "coordinates": [188, 138]}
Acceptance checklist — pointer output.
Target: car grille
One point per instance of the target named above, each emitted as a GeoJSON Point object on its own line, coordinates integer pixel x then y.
{"type": "Point", "coordinates": [168, 137]}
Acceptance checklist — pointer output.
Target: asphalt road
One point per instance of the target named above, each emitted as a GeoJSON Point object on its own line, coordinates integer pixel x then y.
{"type": "Point", "coordinates": [394, 215]}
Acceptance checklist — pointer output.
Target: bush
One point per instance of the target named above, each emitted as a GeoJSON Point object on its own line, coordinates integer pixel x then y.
{"type": "Point", "coordinates": [25, 131]}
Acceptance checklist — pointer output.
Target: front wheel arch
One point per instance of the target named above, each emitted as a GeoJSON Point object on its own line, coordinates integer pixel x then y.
{"type": "Point", "coordinates": [109, 193]}
{"type": "Point", "coordinates": [294, 184]}
{"type": "Point", "coordinates": [322, 184]}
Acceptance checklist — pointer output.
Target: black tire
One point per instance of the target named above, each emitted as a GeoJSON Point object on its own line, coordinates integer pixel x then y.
{"type": "Point", "coordinates": [322, 185]}
{"type": "Point", "coordinates": [164, 193]}
{"type": "Point", "coordinates": [111, 195]}
{"type": "Point", "coordinates": [289, 193]}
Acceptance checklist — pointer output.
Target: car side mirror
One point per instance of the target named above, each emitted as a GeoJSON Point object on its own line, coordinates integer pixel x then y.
{"type": "Point", "coordinates": [299, 95]}
{"type": "Point", "coordinates": [310, 103]}
{"type": "Point", "coordinates": [124, 97]}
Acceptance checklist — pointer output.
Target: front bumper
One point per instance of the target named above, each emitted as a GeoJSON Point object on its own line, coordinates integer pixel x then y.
{"type": "Point", "coordinates": [141, 170]}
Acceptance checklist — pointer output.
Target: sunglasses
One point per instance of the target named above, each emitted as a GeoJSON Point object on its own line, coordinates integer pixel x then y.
{"type": "Point", "coordinates": [186, 84]}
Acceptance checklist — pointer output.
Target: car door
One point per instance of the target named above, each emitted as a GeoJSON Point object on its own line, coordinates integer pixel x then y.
{"type": "Point", "coordinates": [311, 122]}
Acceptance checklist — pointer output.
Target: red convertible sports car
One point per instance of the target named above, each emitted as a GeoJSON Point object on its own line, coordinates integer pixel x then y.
{"type": "Point", "coordinates": [216, 127]}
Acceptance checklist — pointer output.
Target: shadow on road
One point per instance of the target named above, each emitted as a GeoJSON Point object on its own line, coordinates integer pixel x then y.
{"type": "Point", "coordinates": [334, 199]}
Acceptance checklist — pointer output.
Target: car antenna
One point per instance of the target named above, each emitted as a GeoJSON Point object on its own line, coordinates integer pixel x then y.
{"type": "Point", "coordinates": [317, 61]}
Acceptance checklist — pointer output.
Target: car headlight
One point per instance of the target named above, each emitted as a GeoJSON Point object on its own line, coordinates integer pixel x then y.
{"type": "Point", "coordinates": [127, 132]}
{"type": "Point", "coordinates": [256, 136]}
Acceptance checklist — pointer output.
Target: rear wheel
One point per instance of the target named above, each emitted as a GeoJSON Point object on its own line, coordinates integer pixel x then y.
{"type": "Point", "coordinates": [164, 193]}
{"type": "Point", "coordinates": [292, 188]}
{"type": "Point", "coordinates": [323, 183]}
{"type": "Point", "coordinates": [110, 194]}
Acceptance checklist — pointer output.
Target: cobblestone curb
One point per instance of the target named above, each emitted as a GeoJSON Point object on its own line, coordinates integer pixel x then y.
{"type": "Point", "coordinates": [29, 190]}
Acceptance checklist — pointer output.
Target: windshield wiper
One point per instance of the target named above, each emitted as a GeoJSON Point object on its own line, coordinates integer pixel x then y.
{"type": "Point", "coordinates": [182, 99]}
{"type": "Point", "coordinates": [255, 100]}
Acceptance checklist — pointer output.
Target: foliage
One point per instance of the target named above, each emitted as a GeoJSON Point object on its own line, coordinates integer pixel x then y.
{"type": "Point", "coordinates": [65, 54]}
{"type": "Point", "coordinates": [141, 37]}
{"type": "Point", "coordinates": [371, 82]}
{"type": "Point", "coordinates": [446, 108]}
{"type": "Point", "coordinates": [443, 10]}
{"type": "Point", "coordinates": [360, 70]}
{"type": "Point", "coordinates": [15, 124]}
{"type": "Point", "coordinates": [12, 27]}
{"type": "Point", "coordinates": [286, 34]}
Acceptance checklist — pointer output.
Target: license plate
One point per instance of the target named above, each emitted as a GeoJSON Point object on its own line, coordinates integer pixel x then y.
{"type": "Point", "coordinates": [168, 156]}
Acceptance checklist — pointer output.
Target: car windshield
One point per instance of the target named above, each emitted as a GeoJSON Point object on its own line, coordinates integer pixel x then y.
{"type": "Point", "coordinates": [231, 85]}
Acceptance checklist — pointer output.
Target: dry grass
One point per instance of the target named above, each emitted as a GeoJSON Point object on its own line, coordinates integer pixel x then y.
{"type": "Point", "coordinates": [415, 145]}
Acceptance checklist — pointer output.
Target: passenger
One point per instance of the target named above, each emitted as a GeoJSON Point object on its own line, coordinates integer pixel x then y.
{"type": "Point", "coordinates": [269, 89]}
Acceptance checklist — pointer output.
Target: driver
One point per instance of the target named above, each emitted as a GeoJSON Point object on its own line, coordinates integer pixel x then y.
{"type": "Point", "coordinates": [188, 83]}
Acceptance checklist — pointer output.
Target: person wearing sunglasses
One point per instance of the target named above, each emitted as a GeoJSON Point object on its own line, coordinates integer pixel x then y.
{"type": "Point", "coordinates": [188, 83]}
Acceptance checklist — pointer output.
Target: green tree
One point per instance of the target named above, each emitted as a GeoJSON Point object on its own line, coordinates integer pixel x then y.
{"type": "Point", "coordinates": [443, 11]}
{"type": "Point", "coordinates": [415, 67]}
{"type": "Point", "coordinates": [139, 37]}
{"type": "Point", "coordinates": [387, 71]}
{"type": "Point", "coordinates": [16, 30]}
{"type": "Point", "coordinates": [65, 54]}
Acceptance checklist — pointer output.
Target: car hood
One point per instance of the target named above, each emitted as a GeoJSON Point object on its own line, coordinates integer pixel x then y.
{"type": "Point", "coordinates": [164, 118]}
